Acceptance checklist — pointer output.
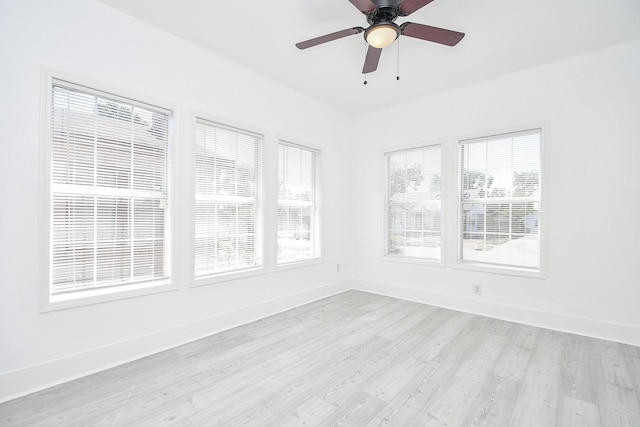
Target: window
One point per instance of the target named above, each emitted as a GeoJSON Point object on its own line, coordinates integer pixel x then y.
{"type": "Point", "coordinates": [500, 200]}
{"type": "Point", "coordinates": [108, 193]}
{"type": "Point", "coordinates": [413, 205]}
{"type": "Point", "coordinates": [298, 237]}
{"type": "Point", "coordinates": [227, 209]}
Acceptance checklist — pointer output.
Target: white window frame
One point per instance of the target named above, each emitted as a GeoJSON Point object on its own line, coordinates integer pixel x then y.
{"type": "Point", "coordinates": [443, 205]}
{"type": "Point", "coordinates": [487, 267]}
{"type": "Point", "coordinates": [46, 302]}
{"type": "Point", "coordinates": [234, 274]}
{"type": "Point", "coordinates": [317, 226]}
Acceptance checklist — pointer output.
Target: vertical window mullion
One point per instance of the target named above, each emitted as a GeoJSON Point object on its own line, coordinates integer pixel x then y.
{"type": "Point", "coordinates": [132, 211]}
{"type": "Point", "coordinates": [95, 198]}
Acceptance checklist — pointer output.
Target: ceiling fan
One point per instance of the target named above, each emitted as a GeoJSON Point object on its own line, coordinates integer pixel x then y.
{"type": "Point", "coordinates": [383, 31]}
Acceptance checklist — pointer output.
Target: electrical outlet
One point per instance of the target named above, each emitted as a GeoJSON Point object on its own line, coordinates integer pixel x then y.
{"type": "Point", "coordinates": [477, 289]}
{"type": "Point", "coordinates": [337, 267]}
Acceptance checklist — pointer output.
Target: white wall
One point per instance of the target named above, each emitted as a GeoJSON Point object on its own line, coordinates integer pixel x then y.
{"type": "Point", "coordinates": [590, 106]}
{"type": "Point", "coordinates": [96, 42]}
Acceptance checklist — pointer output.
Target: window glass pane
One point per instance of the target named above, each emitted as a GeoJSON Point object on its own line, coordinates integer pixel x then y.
{"type": "Point", "coordinates": [413, 203]}
{"type": "Point", "coordinates": [500, 199]}
{"type": "Point", "coordinates": [297, 209]}
{"type": "Point", "coordinates": [226, 207]}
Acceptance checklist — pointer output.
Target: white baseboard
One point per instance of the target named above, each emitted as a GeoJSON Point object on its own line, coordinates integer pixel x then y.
{"type": "Point", "coordinates": [627, 334]}
{"type": "Point", "coordinates": [39, 377]}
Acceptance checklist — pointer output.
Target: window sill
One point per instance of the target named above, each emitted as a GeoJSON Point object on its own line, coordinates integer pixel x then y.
{"type": "Point", "coordinates": [500, 269]}
{"type": "Point", "coordinates": [99, 296]}
{"type": "Point", "coordinates": [228, 276]}
{"type": "Point", "coordinates": [415, 261]}
{"type": "Point", "coordinates": [298, 264]}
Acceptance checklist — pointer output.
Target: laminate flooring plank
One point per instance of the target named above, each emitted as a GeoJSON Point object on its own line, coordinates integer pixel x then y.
{"type": "Point", "coordinates": [493, 404]}
{"type": "Point", "coordinates": [332, 305]}
{"type": "Point", "coordinates": [515, 358]}
{"type": "Point", "coordinates": [183, 380]}
{"type": "Point", "coordinates": [376, 319]}
{"type": "Point", "coordinates": [393, 379]}
{"type": "Point", "coordinates": [573, 412]}
{"type": "Point", "coordinates": [152, 389]}
{"type": "Point", "coordinates": [161, 409]}
{"type": "Point", "coordinates": [288, 356]}
{"type": "Point", "coordinates": [456, 402]}
{"type": "Point", "coordinates": [360, 377]}
{"type": "Point", "coordinates": [289, 365]}
{"type": "Point", "coordinates": [411, 406]}
{"type": "Point", "coordinates": [299, 369]}
{"type": "Point", "coordinates": [244, 406]}
{"type": "Point", "coordinates": [632, 361]}
{"type": "Point", "coordinates": [537, 403]}
{"type": "Point", "coordinates": [306, 414]}
{"type": "Point", "coordinates": [323, 376]}
{"type": "Point", "coordinates": [578, 369]}
{"type": "Point", "coordinates": [357, 411]}
{"type": "Point", "coordinates": [416, 319]}
{"type": "Point", "coordinates": [618, 401]}
{"type": "Point", "coordinates": [241, 380]}
{"type": "Point", "coordinates": [349, 304]}
{"type": "Point", "coordinates": [81, 392]}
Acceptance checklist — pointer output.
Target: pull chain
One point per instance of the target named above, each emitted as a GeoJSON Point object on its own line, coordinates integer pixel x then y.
{"type": "Point", "coordinates": [365, 55]}
{"type": "Point", "coordinates": [398, 62]}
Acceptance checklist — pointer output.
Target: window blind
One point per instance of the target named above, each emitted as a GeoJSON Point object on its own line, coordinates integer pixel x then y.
{"type": "Point", "coordinates": [413, 203]}
{"type": "Point", "coordinates": [227, 212]}
{"type": "Point", "coordinates": [297, 203]}
{"type": "Point", "coordinates": [109, 163]}
{"type": "Point", "coordinates": [499, 199]}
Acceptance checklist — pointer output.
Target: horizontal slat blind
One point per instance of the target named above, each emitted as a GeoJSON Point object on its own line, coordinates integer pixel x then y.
{"type": "Point", "coordinates": [500, 199]}
{"type": "Point", "coordinates": [227, 214]}
{"type": "Point", "coordinates": [297, 203]}
{"type": "Point", "coordinates": [413, 203]}
{"type": "Point", "coordinates": [109, 162]}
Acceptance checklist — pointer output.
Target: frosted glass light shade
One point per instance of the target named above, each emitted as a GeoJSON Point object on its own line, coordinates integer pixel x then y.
{"type": "Point", "coordinates": [381, 35]}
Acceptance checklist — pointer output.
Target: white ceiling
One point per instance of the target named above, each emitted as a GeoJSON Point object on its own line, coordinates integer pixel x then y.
{"type": "Point", "coordinates": [502, 36]}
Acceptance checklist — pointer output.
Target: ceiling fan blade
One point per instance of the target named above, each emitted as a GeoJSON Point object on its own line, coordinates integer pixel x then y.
{"type": "Point", "coordinates": [329, 37]}
{"type": "Point", "coordinates": [431, 34]}
{"type": "Point", "coordinates": [407, 7]}
{"type": "Point", "coordinates": [364, 6]}
{"type": "Point", "coordinates": [372, 59]}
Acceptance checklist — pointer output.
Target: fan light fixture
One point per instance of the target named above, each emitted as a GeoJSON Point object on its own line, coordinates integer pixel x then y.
{"type": "Point", "coordinates": [382, 34]}
{"type": "Point", "coordinates": [383, 31]}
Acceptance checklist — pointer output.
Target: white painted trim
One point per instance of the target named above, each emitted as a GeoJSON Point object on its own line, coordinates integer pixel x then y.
{"type": "Point", "coordinates": [541, 271]}
{"type": "Point", "coordinates": [382, 240]}
{"type": "Point", "coordinates": [46, 302]}
{"type": "Point", "coordinates": [594, 328]}
{"type": "Point", "coordinates": [28, 380]}
{"type": "Point", "coordinates": [262, 237]}
{"type": "Point", "coordinates": [319, 216]}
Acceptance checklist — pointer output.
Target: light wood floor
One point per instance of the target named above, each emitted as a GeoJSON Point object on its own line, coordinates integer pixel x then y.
{"type": "Point", "coordinates": [358, 359]}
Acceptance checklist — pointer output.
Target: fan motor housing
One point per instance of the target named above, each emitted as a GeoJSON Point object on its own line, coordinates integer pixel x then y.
{"type": "Point", "coordinates": [383, 14]}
